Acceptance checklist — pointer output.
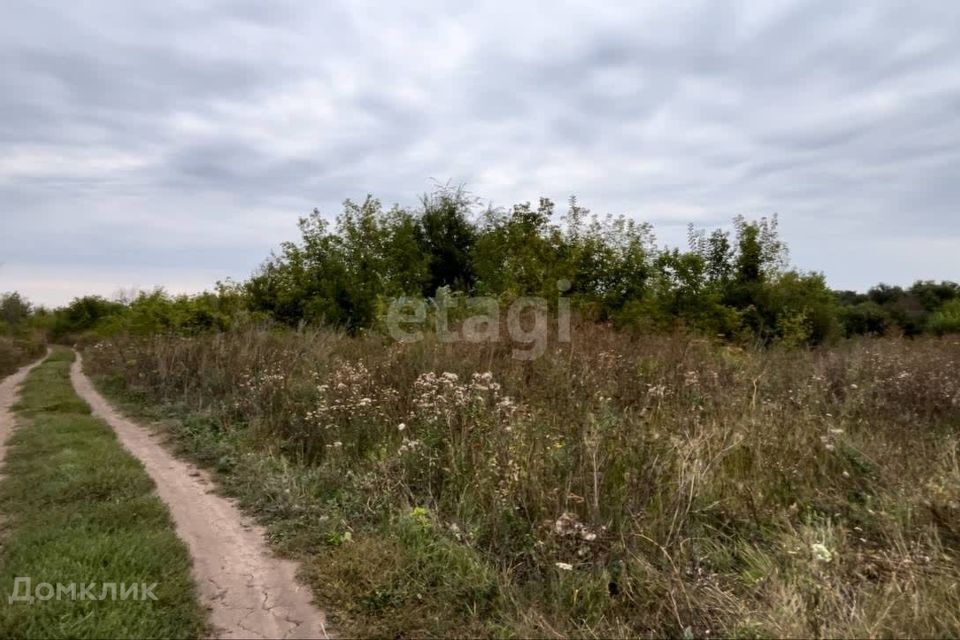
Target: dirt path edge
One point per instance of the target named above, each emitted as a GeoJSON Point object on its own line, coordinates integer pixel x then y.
{"type": "Point", "coordinates": [9, 392]}
{"type": "Point", "coordinates": [250, 592]}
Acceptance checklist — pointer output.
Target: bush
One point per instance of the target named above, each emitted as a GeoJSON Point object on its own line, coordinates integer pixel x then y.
{"type": "Point", "coordinates": [865, 319]}
{"type": "Point", "coordinates": [947, 319]}
{"type": "Point", "coordinates": [16, 352]}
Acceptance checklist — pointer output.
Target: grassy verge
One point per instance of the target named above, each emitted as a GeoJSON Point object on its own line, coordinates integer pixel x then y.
{"type": "Point", "coordinates": [79, 510]}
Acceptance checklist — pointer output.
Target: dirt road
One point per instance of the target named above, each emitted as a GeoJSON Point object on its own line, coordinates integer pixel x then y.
{"type": "Point", "coordinates": [251, 593]}
{"type": "Point", "coordinates": [8, 395]}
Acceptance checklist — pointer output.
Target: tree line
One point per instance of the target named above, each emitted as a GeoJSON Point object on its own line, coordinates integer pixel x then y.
{"type": "Point", "coordinates": [736, 285]}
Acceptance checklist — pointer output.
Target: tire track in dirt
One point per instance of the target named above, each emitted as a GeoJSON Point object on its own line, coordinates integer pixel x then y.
{"type": "Point", "coordinates": [9, 392]}
{"type": "Point", "coordinates": [250, 592]}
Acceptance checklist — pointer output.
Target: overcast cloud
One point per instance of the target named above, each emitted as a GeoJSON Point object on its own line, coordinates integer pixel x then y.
{"type": "Point", "coordinates": [165, 143]}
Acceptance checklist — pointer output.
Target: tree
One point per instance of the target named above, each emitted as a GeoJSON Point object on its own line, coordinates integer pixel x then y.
{"type": "Point", "coordinates": [83, 314]}
{"type": "Point", "coordinates": [446, 238]}
{"type": "Point", "coordinates": [15, 310]}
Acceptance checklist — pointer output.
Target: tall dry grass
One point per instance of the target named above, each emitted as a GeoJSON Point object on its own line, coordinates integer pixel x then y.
{"type": "Point", "coordinates": [617, 486]}
{"type": "Point", "coordinates": [16, 352]}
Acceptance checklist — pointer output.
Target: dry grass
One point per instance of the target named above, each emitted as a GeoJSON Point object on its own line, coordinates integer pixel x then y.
{"type": "Point", "coordinates": [16, 352]}
{"type": "Point", "coordinates": [618, 486]}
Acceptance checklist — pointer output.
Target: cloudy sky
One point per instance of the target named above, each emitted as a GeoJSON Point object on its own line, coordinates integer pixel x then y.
{"type": "Point", "coordinates": [176, 143]}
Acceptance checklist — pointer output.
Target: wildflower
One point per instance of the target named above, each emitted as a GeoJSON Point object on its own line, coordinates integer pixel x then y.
{"type": "Point", "coordinates": [820, 552]}
{"type": "Point", "coordinates": [564, 566]}
{"type": "Point", "coordinates": [567, 523]}
{"type": "Point", "coordinates": [408, 446]}
{"type": "Point", "coordinates": [658, 390]}
{"type": "Point", "coordinates": [401, 426]}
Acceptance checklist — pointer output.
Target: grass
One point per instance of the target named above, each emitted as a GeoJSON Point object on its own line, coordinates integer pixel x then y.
{"type": "Point", "coordinates": [622, 486]}
{"type": "Point", "coordinates": [79, 509]}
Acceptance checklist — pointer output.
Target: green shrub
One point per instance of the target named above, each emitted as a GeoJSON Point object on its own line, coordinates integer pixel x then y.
{"type": "Point", "coordinates": [947, 319]}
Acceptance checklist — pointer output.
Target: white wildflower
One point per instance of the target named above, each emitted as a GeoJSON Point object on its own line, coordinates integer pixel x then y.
{"type": "Point", "coordinates": [820, 552]}
{"type": "Point", "coordinates": [564, 566]}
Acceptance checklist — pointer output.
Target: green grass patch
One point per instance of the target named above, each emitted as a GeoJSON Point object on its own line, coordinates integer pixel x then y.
{"type": "Point", "coordinates": [78, 509]}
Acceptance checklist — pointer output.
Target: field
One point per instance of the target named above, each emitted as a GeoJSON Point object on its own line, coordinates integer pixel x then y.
{"type": "Point", "coordinates": [617, 486]}
{"type": "Point", "coordinates": [458, 320]}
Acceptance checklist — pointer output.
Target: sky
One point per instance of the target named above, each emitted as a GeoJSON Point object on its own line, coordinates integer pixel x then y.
{"type": "Point", "coordinates": [177, 143]}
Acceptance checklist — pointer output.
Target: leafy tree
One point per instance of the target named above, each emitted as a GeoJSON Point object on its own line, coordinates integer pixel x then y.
{"type": "Point", "coordinates": [445, 237]}
{"type": "Point", "coordinates": [933, 295]}
{"type": "Point", "coordinates": [517, 251]}
{"type": "Point", "coordinates": [803, 310]}
{"type": "Point", "coordinates": [609, 260]}
{"type": "Point", "coordinates": [15, 310]}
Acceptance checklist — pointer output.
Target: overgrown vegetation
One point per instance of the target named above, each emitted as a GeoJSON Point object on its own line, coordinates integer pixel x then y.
{"type": "Point", "coordinates": [725, 447]}
{"type": "Point", "coordinates": [19, 340]}
{"type": "Point", "coordinates": [617, 486]}
{"type": "Point", "coordinates": [610, 267]}
{"type": "Point", "coordinates": [736, 285]}
{"type": "Point", "coordinates": [79, 510]}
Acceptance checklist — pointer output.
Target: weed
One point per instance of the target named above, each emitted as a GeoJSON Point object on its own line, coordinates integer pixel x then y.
{"type": "Point", "coordinates": [618, 486]}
